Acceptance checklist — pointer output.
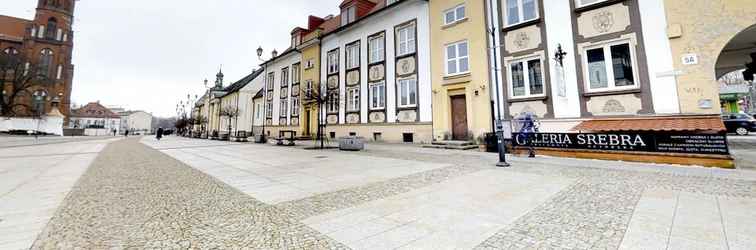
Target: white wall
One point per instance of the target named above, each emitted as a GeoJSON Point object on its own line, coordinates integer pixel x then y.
{"type": "Point", "coordinates": [247, 107]}
{"type": "Point", "coordinates": [659, 57]}
{"type": "Point", "coordinates": [559, 31]}
{"type": "Point", "coordinates": [139, 121]}
{"type": "Point", "coordinates": [276, 67]}
{"type": "Point", "coordinates": [386, 21]}
{"type": "Point", "coordinates": [49, 124]}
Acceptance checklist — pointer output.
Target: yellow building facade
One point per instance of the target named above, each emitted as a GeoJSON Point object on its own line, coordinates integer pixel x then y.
{"type": "Point", "coordinates": [310, 51]}
{"type": "Point", "coordinates": [460, 70]}
{"type": "Point", "coordinates": [709, 39]}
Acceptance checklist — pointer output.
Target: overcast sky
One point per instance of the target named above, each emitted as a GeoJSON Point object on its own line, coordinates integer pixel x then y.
{"type": "Point", "coordinates": [148, 54]}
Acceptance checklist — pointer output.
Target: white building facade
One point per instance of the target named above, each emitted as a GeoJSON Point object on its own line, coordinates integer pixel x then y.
{"type": "Point", "coordinates": [376, 68]}
{"type": "Point", "coordinates": [282, 85]}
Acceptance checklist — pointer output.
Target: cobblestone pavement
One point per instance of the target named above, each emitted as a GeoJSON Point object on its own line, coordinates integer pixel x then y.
{"type": "Point", "coordinates": [136, 197]}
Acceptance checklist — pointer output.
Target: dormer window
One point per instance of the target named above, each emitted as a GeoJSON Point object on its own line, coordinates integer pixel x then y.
{"type": "Point", "coordinates": [348, 15]}
{"type": "Point", "coordinates": [295, 40]}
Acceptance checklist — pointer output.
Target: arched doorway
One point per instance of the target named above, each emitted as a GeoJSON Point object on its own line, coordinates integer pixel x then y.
{"type": "Point", "coordinates": [734, 70]}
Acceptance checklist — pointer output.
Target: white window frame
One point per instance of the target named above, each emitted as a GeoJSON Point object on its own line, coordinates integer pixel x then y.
{"type": "Point", "coordinates": [380, 96]}
{"type": "Point", "coordinates": [407, 87]}
{"type": "Point", "coordinates": [308, 89]}
{"type": "Point", "coordinates": [457, 59]}
{"type": "Point", "coordinates": [580, 4]}
{"type": "Point", "coordinates": [332, 105]}
{"type": "Point", "coordinates": [352, 53]}
{"type": "Point", "coordinates": [295, 73]}
{"type": "Point", "coordinates": [333, 62]}
{"type": "Point", "coordinates": [348, 15]}
{"type": "Point", "coordinates": [457, 18]}
{"type": "Point", "coordinates": [271, 81]}
{"type": "Point", "coordinates": [376, 53]}
{"type": "Point", "coordinates": [284, 107]}
{"type": "Point", "coordinates": [520, 12]}
{"type": "Point", "coordinates": [285, 77]}
{"type": "Point", "coordinates": [410, 28]}
{"type": "Point", "coordinates": [269, 109]}
{"type": "Point", "coordinates": [295, 106]}
{"type": "Point", "coordinates": [526, 76]}
{"type": "Point", "coordinates": [611, 85]}
{"type": "Point", "coordinates": [353, 99]}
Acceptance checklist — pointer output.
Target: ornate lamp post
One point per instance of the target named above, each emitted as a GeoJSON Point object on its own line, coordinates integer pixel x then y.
{"type": "Point", "coordinates": [499, 121]}
{"type": "Point", "coordinates": [260, 51]}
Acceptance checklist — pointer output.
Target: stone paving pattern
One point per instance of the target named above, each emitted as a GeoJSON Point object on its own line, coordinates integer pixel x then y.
{"type": "Point", "coordinates": [136, 197]}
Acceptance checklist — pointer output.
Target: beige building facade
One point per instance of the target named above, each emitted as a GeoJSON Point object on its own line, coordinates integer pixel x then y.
{"type": "Point", "coordinates": [460, 70]}
{"type": "Point", "coordinates": [709, 39]}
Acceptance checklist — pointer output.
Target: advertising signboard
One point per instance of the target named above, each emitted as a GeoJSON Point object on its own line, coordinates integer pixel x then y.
{"type": "Point", "coordinates": [636, 142]}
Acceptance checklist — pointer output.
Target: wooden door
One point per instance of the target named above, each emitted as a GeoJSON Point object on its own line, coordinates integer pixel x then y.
{"type": "Point", "coordinates": [459, 117]}
{"type": "Point", "coordinates": [307, 122]}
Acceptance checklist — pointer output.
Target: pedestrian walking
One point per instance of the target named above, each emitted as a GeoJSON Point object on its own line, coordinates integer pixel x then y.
{"type": "Point", "coordinates": [126, 134]}
{"type": "Point", "coordinates": [159, 134]}
{"type": "Point", "coordinates": [114, 132]}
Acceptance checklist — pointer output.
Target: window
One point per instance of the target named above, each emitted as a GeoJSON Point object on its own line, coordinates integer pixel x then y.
{"type": "Point", "coordinates": [519, 11]}
{"type": "Point", "coordinates": [310, 63]}
{"type": "Point", "coordinates": [407, 93]}
{"type": "Point", "coordinates": [271, 80]}
{"type": "Point", "coordinates": [52, 27]}
{"type": "Point", "coordinates": [285, 77]}
{"type": "Point", "coordinates": [618, 73]}
{"type": "Point", "coordinates": [454, 15]}
{"type": "Point", "coordinates": [376, 46]}
{"type": "Point", "coordinates": [269, 109]}
{"type": "Point", "coordinates": [59, 73]}
{"type": "Point", "coordinates": [353, 99]}
{"type": "Point", "coordinates": [10, 51]}
{"type": "Point", "coordinates": [353, 56]}
{"type": "Point", "coordinates": [308, 89]}
{"type": "Point", "coordinates": [457, 58]}
{"type": "Point", "coordinates": [526, 78]}
{"type": "Point", "coordinates": [333, 62]}
{"type": "Point", "coordinates": [348, 15]}
{"type": "Point", "coordinates": [46, 59]}
{"type": "Point", "coordinates": [333, 102]}
{"type": "Point", "coordinates": [258, 109]}
{"type": "Point", "coordinates": [294, 106]}
{"type": "Point", "coordinates": [59, 35]}
{"type": "Point", "coordinates": [284, 108]}
{"type": "Point", "coordinates": [583, 3]}
{"type": "Point", "coordinates": [295, 73]}
{"type": "Point", "coordinates": [405, 40]}
{"type": "Point", "coordinates": [378, 95]}
{"type": "Point", "coordinates": [38, 101]}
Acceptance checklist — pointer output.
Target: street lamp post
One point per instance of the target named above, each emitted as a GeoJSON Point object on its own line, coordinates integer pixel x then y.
{"type": "Point", "coordinates": [263, 138]}
{"type": "Point", "coordinates": [499, 123]}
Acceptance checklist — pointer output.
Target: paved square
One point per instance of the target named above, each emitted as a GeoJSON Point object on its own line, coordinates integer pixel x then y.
{"type": "Point", "coordinates": [186, 193]}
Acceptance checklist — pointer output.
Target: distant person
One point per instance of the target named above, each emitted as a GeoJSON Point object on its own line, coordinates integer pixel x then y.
{"type": "Point", "coordinates": [114, 132]}
{"type": "Point", "coordinates": [159, 134]}
{"type": "Point", "coordinates": [126, 134]}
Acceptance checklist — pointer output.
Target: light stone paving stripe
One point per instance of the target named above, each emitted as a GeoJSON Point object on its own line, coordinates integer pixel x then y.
{"type": "Point", "coordinates": [134, 197]}
{"type": "Point", "coordinates": [34, 187]}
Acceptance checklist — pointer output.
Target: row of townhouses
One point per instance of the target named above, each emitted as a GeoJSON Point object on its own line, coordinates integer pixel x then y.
{"type": "Point", "coordinates": [422, 71]}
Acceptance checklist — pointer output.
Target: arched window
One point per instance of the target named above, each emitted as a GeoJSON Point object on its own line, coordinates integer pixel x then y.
{"type": "Point", "coordinates": [52, 28]}
{"type": "Point", "coordinates": [45, 61]}
{"type": "Point", "coordinates": [38, 102]}
{"type": "Point", "coordinates": [10, 51]}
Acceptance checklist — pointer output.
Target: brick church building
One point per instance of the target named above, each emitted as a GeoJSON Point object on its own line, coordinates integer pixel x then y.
{"type": "Point", "coordinates": [46, 43]}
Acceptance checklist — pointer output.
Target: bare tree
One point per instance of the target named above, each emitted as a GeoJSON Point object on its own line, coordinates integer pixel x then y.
{"type": "Point", "coordinates": [317, 96]}
{"type": "Point", "coordinates": [18, 77]}
{"type": "Point", "coordinates": [230, 113]}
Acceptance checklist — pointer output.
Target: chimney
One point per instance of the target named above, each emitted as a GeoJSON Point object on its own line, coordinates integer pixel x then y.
{"type": "Point", "coordinates": [328, 17]}
{"type": "Point", "coordinates": [274, 53]}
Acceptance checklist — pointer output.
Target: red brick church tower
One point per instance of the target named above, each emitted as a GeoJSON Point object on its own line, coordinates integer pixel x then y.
{"type": "Point", "coordinates": [46, 41]}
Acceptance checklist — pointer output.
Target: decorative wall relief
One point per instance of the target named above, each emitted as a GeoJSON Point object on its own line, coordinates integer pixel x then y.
{"type": "Point", "coordinates": [406, 66]}
{"type": "Point", "coordinates": [407, 116]}
{"type": "Point", "coordinates": [627, 104]}
{"type": "Point", "coordinates": [522, 39]}
{"type": "Point", "coordinates": [377, 117]}
{"type": "Point", "coordinates": [270, 96]}
{"type": "Point", "coordinates": [295, 121]}
{"type": "Point", "coordinates": [333, 82]}
{"type": "Point", "coordinates": [613, 106]}
{"type": "Point", "coordinates": [606, 20]}
{"type": "Point", "coordinates": [353, 118]}
{"type": "Point", "coordinates": [377, 73]}
{"type": "Point", "coordinates": [269, 122]}
{"type": "Point", "coordinates": [284, 93]}
{"type": "Point", "coordinates": [353, 77]}
{"type": "Point", "coordinates": [332, 119]}
{"type": "Point", "coordinates": [295, 90]}
{"type": "Point", "coordinates": [537, 108]}
{"type": "Point", "coordinates": [282, 121]}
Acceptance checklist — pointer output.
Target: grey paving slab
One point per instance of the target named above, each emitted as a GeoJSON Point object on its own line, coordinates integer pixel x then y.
{"type": "Point", "coordinates": [136, 197]}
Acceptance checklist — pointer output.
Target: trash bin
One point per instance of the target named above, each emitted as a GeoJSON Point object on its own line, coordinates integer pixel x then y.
{"type": "Point", "coordinates": [351, 143]}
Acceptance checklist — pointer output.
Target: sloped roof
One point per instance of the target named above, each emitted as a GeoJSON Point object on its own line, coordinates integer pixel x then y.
{"type": "Point", "coordinates": [241, 83]}
{"type": "Point", "coordinates": [12, 28]}
{"type": "Point", "coordinates": [662, 123]}
{"type": "Point", "coordinates": [94, 110]}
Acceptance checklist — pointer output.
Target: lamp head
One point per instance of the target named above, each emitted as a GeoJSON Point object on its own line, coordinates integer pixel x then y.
{"type": "Point", "coordinates": [259, 51]}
